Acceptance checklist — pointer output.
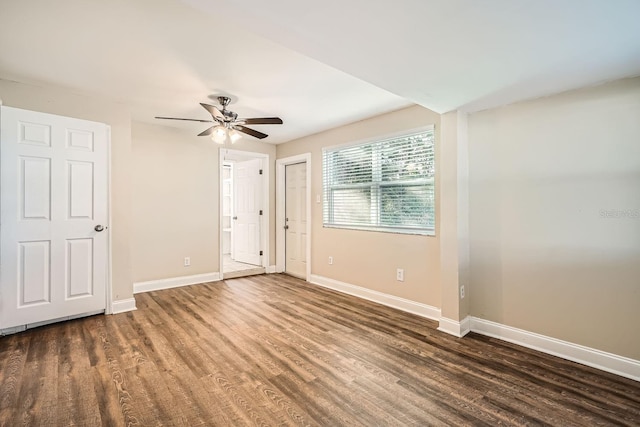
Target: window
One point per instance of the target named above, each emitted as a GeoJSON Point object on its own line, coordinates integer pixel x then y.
{"type": "Point", "coordinates": [386, 185]}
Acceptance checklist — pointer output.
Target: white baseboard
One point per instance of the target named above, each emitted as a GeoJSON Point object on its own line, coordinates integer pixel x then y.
{"type": "Point", "coordinates": [609, 362]}
{"type": "Point", "coordinates": [174, 282]}
{"type": "Point", "coordinates": [455, 328]}
{"type": "Point", "coordinates": [271, 269]}
{"type": "Point", "coordinates": [123, 305]}
{"type": "Point", "coordinates": [409, 306]}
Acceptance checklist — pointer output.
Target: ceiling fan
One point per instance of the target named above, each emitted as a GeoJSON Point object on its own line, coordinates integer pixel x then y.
{"type": "Point", "coordinates": [227, 124]}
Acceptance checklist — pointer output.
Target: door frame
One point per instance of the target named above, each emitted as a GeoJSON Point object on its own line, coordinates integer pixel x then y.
{"type": "Point", "coordinates": [280, 210]}
{"type": "Point", "coordinates": [109, 291]}
{"type": "Point", "coordinates": [108, 297]}
{"type": "Point", "coordinates": [264, 222]}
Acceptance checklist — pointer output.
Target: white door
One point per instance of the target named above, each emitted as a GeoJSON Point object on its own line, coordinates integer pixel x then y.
{"type": "Point", "coordinates": [296, 220]}
{"type": "Point", "coordinates": [53, 198]}
{"type": "Point", "coordinates": [247, 202]}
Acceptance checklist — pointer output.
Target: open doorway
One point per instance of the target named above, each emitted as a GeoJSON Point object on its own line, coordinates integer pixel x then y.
{"type": "Point", "coordinates": [244, 189]}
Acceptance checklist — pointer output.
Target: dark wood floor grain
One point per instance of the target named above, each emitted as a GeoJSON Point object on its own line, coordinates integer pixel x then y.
{"type": "Point", "coordinates": [273, 350]}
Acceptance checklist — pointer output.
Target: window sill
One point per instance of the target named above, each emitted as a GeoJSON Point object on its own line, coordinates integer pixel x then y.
{"type": "Point", "coordinates": [409, 231]}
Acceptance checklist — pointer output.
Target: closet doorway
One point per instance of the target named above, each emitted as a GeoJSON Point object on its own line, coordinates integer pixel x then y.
{"type": "Point", "coordinates": [293, 215]}
{"type": "Point", "coordinates": [244, 187]}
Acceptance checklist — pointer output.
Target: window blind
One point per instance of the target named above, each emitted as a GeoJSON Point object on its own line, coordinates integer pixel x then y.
{"type": "Point", "coordinates": [385, 185]}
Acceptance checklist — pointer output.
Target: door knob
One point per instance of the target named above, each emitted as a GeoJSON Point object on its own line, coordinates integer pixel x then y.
{"type": "Point", "coordinates": [286, 227]}
{"type": "Point", "coordinates": [98, 228]}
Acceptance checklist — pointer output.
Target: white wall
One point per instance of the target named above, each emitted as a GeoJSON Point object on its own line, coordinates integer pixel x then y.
{"type": "Point", "coordinates": [544, 256]}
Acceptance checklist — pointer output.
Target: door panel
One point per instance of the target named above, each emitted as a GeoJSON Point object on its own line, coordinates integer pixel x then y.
{"type": "Point", "coordinates": [53, 172]}
{"type": "Point", "coordinates": [80, 179]}
{"type": "Point", "coordinates": [296, 219]}
{"type": "Point", "coordinates": [247, 201]}
{"type": "Point", "coordinates": [80, 140]}
{"type": "Point", "coordinates": [35, 185]}
{"type": "Point", "coordinates": [34, 134]}
{"type": "Point", "coordinates": [34, 278]}
{"type": "Point", "coordinates": [80, 262]}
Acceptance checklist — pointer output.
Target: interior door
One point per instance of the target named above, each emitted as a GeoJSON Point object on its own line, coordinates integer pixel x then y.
{"type": "Point", "coordinates": [296, 220]}
{"type": "Point", "coordinates": [53, 200]}
{"type": "Point", "coordinates": [247, 202]}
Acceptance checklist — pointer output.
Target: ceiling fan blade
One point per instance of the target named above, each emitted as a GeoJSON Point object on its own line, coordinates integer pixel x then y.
{"type": "Point", "coordinates": [263, 121]}
{"type": "Point", "coordinates": [215, 113]}
{"type": "Point", "coordinates": [251, 132]}
{"type": "Point", "coordinates": [207, 132]}
{"type": "Point", "coordinates": [189, 120]}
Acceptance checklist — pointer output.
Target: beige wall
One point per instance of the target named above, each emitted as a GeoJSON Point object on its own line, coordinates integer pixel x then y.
{"type": "Point", "coordinates": [63, 102]}
{"type": "Point", "coordinates": [364, 258]}
{"type": "Point", "coordinates": [454, 215]}
{"type": "Point", "coordinates": [543, 256]}
{"type": "Point", "coordinates": [176, 201]}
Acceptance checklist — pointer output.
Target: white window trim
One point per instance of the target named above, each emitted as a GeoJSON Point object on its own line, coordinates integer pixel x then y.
{"type": "Point", "coordinates": [397, 230]}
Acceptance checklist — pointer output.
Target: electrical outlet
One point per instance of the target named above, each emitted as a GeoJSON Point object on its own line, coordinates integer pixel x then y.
{"type": "Point", "coordinates": [462, 292]}
{"type": "Point", "coordinates": [330, 260]}
{"type": "Point", "coordinates": [187, 261]}
{"type": "Point", "coordinates": [400, 274]}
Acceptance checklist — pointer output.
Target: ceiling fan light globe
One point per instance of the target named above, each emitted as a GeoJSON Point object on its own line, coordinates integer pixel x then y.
{"type": "Point", "coordinates": [219, 135]}
{"type": "Point", "coordinates": [234, 136]}
{"type": "Point", "coordinates": [220, 131]}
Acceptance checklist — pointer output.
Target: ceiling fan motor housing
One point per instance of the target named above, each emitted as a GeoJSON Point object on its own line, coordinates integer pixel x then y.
{"type": "Point", "coordinates": [230, 115]}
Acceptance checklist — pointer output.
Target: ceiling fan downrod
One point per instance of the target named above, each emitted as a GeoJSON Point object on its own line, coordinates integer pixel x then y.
{"type": "Point", "coordinates": [224, 101]}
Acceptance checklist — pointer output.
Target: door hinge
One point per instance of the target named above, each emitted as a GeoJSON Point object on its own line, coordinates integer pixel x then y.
{"type": "Point", "coordinates": [260, 212]}
{"type": "Point", "coordinates": [260, 253]}
{"type": "Point", "coordinates": [260, 171]}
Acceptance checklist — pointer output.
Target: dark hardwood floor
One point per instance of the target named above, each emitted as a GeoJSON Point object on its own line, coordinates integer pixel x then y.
{"type": "Point", "coordinates": [273, 350]}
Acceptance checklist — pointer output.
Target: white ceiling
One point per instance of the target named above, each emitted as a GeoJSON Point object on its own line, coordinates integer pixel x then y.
{"type": "Point", "coordinates": [317, 64]}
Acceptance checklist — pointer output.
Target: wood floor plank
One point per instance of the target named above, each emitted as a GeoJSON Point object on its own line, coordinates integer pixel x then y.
{"type": "Point", "coordinates": [14, 356]}
{"type": "Point", "coordinates": [170, 356]}
{"type": "Point", "coordinates": [273, 350]}
{"type": "Point", "coordinates": [42, 365]}
{"type": "Point", "coordinates": [111, 385]}
{"type": "Point", "coordinates": [76, 399]}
